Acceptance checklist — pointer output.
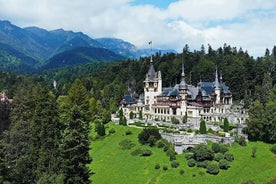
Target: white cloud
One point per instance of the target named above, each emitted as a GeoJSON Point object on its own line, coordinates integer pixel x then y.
{"type": "Point", "coordinates": [248, 23]}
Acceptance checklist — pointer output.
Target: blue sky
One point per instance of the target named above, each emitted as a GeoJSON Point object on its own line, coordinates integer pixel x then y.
{"type": "Point", "coordinates": [158, 3]}
{"type": "Point", "coordinates": [249, 24]}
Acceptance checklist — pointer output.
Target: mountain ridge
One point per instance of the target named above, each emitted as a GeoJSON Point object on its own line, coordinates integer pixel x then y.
{"type": "Point", "coordinates": [42, 45]}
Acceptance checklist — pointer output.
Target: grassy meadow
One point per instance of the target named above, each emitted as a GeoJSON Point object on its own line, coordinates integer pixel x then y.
{"type": "Point", "coordinates": [112, 164]}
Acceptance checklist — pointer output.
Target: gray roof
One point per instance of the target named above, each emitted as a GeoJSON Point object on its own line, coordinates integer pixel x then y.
{"type": "Point", "coordinates": [151, 72]}
{"type": "Point", "coordinates": [183, 85]}
{"type": "Point", "coordinates": [192, 92]}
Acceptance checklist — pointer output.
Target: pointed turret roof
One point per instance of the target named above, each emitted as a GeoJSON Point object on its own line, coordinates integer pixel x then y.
{"type": "Point", "coordinates": [216, 84]}
{"type": "Point", "coordinates": [151, 72]}
{"type": "Point", "coordinates": [183, 84]}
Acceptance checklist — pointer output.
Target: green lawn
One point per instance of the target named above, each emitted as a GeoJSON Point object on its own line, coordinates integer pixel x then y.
{"type": "Point", "coordinates": [113, 165]}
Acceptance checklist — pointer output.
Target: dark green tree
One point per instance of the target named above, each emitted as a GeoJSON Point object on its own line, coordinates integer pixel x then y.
{"type": "Point", "coordinates": [201, 153]}
{"type": "Point", "coordinates": [140, 115]}
{"type": "Point", "coordinates": [149, 136]}
{"type": "Point", "coordinates": [202, 127]}
{"type": "Point", "coordinates": [185, 118]}
{"type": "Point", "coordinates": [131, 115]}
{"type": "Point", "coordinates": [212, 169]}
{"type": "Point", "coordinates": [255, 122]}
{"type": "Point", "coordinates": [5, 108]}
{"type": "Point", "coordinates": [100, 129]}
{"type": "Point", "coordinates": [75, 144]}
{"type": "Point", "coordinates": [123, 121]}
{"type": "Point", "coordinates": [45, 133]}
{"type": "Point", "coordinates": [3, 164]}
{"type": "Point", "coordinates": [18, 141]}
{"type": "Point", "coordinates": [269, 125]}
{"type": "Point", "coordinates": [225, 125]}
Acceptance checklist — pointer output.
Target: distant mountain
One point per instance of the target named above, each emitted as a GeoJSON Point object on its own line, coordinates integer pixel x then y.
{"type": "Point", "coordinates": [127, 49]}
{"type": "Point", "coordinates": [33, 47]}
{"type": "Point", "coordinates": [81, 55]}
{"type": "Point", "coordinates": [13, 60]}
{"type": "Point", "coordinates": [119, 46]}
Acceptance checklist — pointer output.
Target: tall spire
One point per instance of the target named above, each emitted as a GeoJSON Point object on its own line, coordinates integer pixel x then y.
{"type": "Point", "coordinates": [150, 43]}
{"type": "Point", "coordinates": [183, 84]}
{"type": "Point", "coordinates": [216, 85]}
{"type": "Point", "coordinates": [221, 79]}
{"type": "Point", "coordinates": [151, 71]}
{"type": "Point", "coordinates": [183, 73]}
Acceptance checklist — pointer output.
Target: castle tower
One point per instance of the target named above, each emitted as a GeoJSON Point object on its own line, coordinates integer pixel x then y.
{"type": "Point", "coordinates": [217, 88]}
{"type": "Point", "coordinates": [152, 84]}
{"type": "Point", "coordinates": [183, 87]}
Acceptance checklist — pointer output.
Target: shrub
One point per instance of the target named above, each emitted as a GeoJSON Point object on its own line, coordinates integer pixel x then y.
{"type": "Point", "coordinates": [157, 166]}
{"type": "Point", "coordinates": [219, 157]}
{"type": "Point", "coordinates": [219, 148]}
{"type": "Point", "coordinates": [216, 147]}
{"type": "Point", "coordinates": [191, 162]}
{"type": "Point", "coordinates": [210, 131]}
{"type": "Point", "coordinates": [100, 129]}
{"type": "Point", "coordinates": [160, 144]}
{"type": "Point", "coordinates": [212, 169]}
{"type": "Point", "coordinates": [126, 144]}
{"type": "Point", "coordinates": [181, 172]}
{"type": "Point", "coordinates": [128, 132]}
{"type": "Point", "coordinates": [253, 152]}
{"type": "Point", "coordinates": [223, 164]}
{"type": "Point", "coordinates": [111, 131]}
{"type": "Point", "coordinates": [190, 130]}
{"type": "Point", "coordinates": [201, 173]}
{"type": "Point", "coordinates": [165, 167]}
{"type": "Point", "coordinates": [240, 140]}
{"type": "Point", "coordinates": [229, 156]}
{"type": "Point", "coordinates": [174, 120]}
{"type": "Point", "coordinates": [171, 153]}
{"type": "Point", "coordinates": [203, 164]}
{"type": "Point", "coordinates": [223, 149]}
{"type": "Point", "coordinates": [135, 152]}
{"type": "Point", "coordinates": [165, 149]}
{"type": "Point", "coordinates": [146, 153]}
{"type": "Point", "coordinates": [149, 136]}
{"type": "Point", "coordinates": [201, 153]}
{"type": "Point", "coordinates": [174, 164]}
{"type": "Point", "coordinates": [189, 156]}
{"type": "Point", "coordinates": [273, 149]}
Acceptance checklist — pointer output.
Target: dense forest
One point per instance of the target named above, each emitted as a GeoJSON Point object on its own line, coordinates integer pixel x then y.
{"type": "Point", "coordinates": [44, 130]}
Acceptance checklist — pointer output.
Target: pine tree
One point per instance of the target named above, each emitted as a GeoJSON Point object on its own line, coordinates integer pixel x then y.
{"type": "Point", "coordinates": [255, 122]}
{"type": "Point", "coordinates": [75, 146]}
{"type": "Point", "coordinates": [33, 140]}
{"type": "Point", "coordinates": [45, 134]}
{"type": "Point", "coordinates": [5, 109]}
{"type": "Point", "coordinates": [18, 140]}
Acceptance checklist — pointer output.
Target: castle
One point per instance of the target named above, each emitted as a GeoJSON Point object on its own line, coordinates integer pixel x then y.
{"type": "Point", "coordinates": [209, 101]}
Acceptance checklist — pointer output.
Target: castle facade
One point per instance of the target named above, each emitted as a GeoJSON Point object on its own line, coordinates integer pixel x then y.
{"type": "Point", "coordinates": [209, 101]}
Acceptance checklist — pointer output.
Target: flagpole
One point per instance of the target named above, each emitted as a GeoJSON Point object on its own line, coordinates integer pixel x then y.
{"type": "Point", "coordinates": [150, 43]}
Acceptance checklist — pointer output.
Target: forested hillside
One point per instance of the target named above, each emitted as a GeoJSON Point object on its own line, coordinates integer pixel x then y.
{"type": "Point", "coordinates": [37, 149]}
